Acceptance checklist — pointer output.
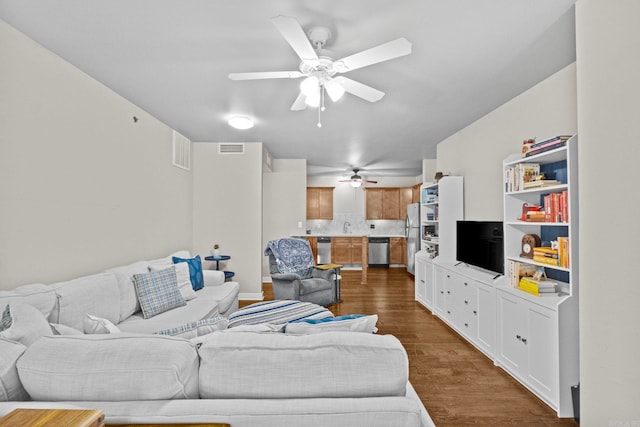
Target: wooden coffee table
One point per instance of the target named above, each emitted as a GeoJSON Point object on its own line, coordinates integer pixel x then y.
{"type": "Point", "coordinates": [53, 417]}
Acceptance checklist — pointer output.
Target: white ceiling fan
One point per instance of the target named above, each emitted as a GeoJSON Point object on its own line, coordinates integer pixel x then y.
{"type": "Point", "coordinates": [356, 180]}
{"type": "Point", "coordinates": [321, 72]}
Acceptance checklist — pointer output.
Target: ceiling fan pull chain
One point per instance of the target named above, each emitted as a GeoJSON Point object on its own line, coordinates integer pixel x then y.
{"type": "Point", "coordinates": [321, 108]}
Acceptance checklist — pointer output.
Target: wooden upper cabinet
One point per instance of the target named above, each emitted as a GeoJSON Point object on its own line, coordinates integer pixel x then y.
{"type": "Point", "coordinates": [415, 190]}
{"type": "Point", "coordinates": [406, 198]}
{"type": "Point", "coordinates": [319, 202]}
{"type": "Point", "coordinates": [373, 203]}
{"type": "Point", "coordinates": [391, 203]}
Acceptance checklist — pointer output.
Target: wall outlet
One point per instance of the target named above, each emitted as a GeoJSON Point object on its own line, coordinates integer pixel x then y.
{"type": "Point", "coordinates": [299, 224]}
{"type": "Point", "coordinates": [372, 226]}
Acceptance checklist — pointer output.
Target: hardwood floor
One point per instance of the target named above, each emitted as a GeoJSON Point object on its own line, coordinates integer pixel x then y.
{"type": "Point", "coordinates": [458, 385]}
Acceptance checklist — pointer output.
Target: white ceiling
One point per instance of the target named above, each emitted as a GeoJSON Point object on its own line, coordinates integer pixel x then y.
{"type": "Point", "coordinates": [172, 57]}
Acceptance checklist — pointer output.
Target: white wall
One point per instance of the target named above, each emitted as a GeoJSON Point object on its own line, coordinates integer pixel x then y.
{"type": "Point", "coordinates": [608, 42]}
{"type": "Point", "coordinates": [476, 152]}
{"type": "Point", "coordinates": [82, 187]}
{"type": "Point", "coordinates": [284, 202]}
{"type": "Point", "coordinates": [227, 210]}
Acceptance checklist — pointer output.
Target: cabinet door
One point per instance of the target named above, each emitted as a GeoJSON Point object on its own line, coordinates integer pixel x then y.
{"type": "Point", "coordinates": [406, 198]}
{"type": "Point", "coordinates": [420, 280]}
{"type": "Point", "coordinates": [428, 287]}
{"type": "Point", "coordinates": [341, 250]}
{"type": "Point", "coordinates": [391, 203]}
{"type": "Point", "coordinates": [540, 340]}
{"type": "Point", "coordinates": [373, 203]}
{"type": "Point", "coordinates": [439, 291]}
{"type": "Point", "coordinates": [511, 351]}
{"type": "Point", "coordinates": [485, 313]}
{"type": "Point", "coordinates": [415, 194]}
{"type": "Point", "coordinates": [313, 203]}
{"type": "Point", "coordinates": [356, 250]}
{"type": "Point", "coordinates": [397, 250]}
{"type": "Point", "coordinates": [325, 204]}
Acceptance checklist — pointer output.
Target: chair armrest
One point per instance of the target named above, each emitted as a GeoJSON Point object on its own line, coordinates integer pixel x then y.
{"type": "Point", "coordinates": [213, 277]}
{"type": "Point", "coordinates": [290, 277]}
{"type": "Point", "coordinates": [324, 274]}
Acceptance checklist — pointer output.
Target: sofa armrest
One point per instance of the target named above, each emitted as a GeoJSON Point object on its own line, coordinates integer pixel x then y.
{"type": "Point", "coordinates": [324, 274]}
{"type": "Point", "coordinates": [285, 277]}
{"type": "Point", "coordinates": [213, 277]}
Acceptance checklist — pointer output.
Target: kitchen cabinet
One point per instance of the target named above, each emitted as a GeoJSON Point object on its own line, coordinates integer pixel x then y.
{"type": "Point", "coordinates": [346, 250]}
{"type": "Point", "coordinates": [373, 203]}
{"type": "Point", "coordinates": [424, 280]}
{"type": "Point", "coordinates": [382, 203]}
{"type": "Point", "coordinates": [397, 250]}
{"type": "Point", "coordinates": [528, 346]}
{"type": "Point", "coordinates": [319, 202]}
{"type": "Point", "coordinates": [415, 193]}
{"type": "Point", "coordinates": [406, 198]}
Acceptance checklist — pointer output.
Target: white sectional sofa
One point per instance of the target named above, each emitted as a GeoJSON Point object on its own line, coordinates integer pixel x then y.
{"type": "Point", "coordinates": [239, 376]}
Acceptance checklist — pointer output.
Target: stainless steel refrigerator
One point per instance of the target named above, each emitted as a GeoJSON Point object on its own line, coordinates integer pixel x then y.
{"type": "Point", "coordinates": [412, 233]}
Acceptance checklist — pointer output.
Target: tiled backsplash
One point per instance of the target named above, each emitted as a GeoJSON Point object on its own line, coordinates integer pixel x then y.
{"type": "Point", "coordinates": [356, 225]}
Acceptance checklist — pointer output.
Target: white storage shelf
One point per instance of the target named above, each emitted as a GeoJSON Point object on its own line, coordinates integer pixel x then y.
{"type": "Point", "coordinates": [538, 335]}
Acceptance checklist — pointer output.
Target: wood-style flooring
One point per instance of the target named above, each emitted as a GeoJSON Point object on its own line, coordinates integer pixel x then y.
{"type": "Point", "coordinates": [457, 384]}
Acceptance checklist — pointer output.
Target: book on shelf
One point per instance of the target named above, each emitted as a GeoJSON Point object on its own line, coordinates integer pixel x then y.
{"type": "Point", "coordinates": [516, 176]}
{"type": "Point", "coordinates": [539, 183]}
{"type": "Point", "coordinates": [516, 270]}
{"type": "Point", "coordinates": [537, 287]}
{"type": "Point", "coordinates": [545, 145]}
{"type": "Point", "coordinates": [546, 260]}
{"type": "Point", "coordinates": [556, 207]}
{"type": "Point", "coordinates": [563, 252]}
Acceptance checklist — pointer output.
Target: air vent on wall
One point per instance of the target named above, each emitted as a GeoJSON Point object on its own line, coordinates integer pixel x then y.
{"type": "Point", "coordinates": [231, 148]}
{"type": "Point", "coordinates": [181, 151]}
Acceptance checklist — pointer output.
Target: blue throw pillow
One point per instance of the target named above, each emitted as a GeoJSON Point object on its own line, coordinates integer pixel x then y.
{"type": "Point", "coordinates": [331, 319]}
{"type": "Point", "coordinates": [195, 271]}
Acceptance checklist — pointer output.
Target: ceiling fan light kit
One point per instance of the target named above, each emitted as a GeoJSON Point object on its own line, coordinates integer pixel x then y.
{"type": "Point", "coordinates": [319, 70]}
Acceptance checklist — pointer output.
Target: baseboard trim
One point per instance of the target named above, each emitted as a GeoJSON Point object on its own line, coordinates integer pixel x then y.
{"type": "Point", "coordinates": [253, 296]}
{"type": "Point", "coordinates": [266, 279]}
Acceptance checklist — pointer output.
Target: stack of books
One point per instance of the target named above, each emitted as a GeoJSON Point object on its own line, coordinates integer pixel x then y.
{"type": "Point", "coordinates": [556, 257]}
{"type": "Point", "coordinates": [537, 287]}
{"type": "Point", "coordinates": [546, 145]}
{"type": "Point", "coordinates": [537, 183]}
{"type": "Point", "coordinates": [517, 176]}
{"type": "Point", "coordinates": [546, 255]}
{"type": "Point", "coordinates": [556, 207]}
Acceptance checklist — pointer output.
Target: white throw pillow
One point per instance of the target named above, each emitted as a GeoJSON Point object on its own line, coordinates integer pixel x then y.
{"type": "Point", "coordinates": [182, 277]}
{"type": "Point", "coordinates": [98, 325]}
{"type": "Point", "coordinates": [349, 323]}
{"type": "Point", "coordinates": [23, 323]}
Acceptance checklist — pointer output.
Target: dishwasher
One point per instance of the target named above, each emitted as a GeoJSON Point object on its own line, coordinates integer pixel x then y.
{"type": "Point", "coordinates": [378, 252]}
{"type": "Point", "coordinates": [324, 250]}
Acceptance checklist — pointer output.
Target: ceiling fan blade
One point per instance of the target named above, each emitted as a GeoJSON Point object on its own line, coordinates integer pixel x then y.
{"type": "Point", "coordinates": [384, 52]}
{"type": "Point", "coordinates": [359, 89]}
{"type": "Point", "coordinates": [295, 36]}
{"type": "Point", "coordinates": [266, 75]}
{"type": "Point", "coordinates": [299, 103]}
{"type": "Point", "coordinates": [372, 182]}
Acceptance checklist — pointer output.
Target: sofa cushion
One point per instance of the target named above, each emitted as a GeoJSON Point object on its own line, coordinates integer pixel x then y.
{"type": "Point", "coordinates": [157, 292]}
{"type": "Point", "coordinates": [59, 329]}
{"type": "Point", "coordinates": [182, 278]}
{"type": "Point", "coordinates": [349, 323]}
{"type": "Point", "coordinates": [198, 328]}
{"type": "Point", "coordinates": [40, 296]}
{"type": "Point", "coordinates": [195, 270]}
{"type": "Point", "coordinates": [334, 364]}
{"type": "Point", "coordinates": [196, 309]}
{"type": "Point", "coordinates": [128, 300]}
{"type": "Point", "coordinates": [96, 294]}
{"type": "Point", "coordinates": [110, 368]}
{"type": "Point", "coordinates": [10, 385]}
{"type": "Point", "coordinates": [225, 295]}
{"type": "Point", "coordinates": [23, 323]}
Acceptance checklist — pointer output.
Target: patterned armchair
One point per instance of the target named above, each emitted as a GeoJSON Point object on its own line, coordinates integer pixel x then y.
{"type": "Point", "coordinates": [294, 275]}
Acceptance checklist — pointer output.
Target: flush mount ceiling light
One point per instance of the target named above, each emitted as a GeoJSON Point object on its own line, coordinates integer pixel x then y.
{"type": "Point", "coordinates": [240, 122]}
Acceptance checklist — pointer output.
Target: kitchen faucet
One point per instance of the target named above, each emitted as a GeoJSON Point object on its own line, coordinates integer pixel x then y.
{"type": "Point", "coordinates": [345, 226]}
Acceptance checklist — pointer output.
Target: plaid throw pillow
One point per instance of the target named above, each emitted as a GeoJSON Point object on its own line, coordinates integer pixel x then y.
{"type": "Point", "coordinates": [158, 292]}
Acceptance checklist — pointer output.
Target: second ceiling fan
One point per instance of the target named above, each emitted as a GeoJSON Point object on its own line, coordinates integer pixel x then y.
{"type": "Point", "coordinates": [321, 73]}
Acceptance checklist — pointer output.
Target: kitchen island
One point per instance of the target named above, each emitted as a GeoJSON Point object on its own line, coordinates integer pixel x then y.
{"type": "Point", "coordinates": [352, 250]}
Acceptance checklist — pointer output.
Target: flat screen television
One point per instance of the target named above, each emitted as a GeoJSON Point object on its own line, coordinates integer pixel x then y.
{"type": "Point", "coordinates": [480, 244]}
